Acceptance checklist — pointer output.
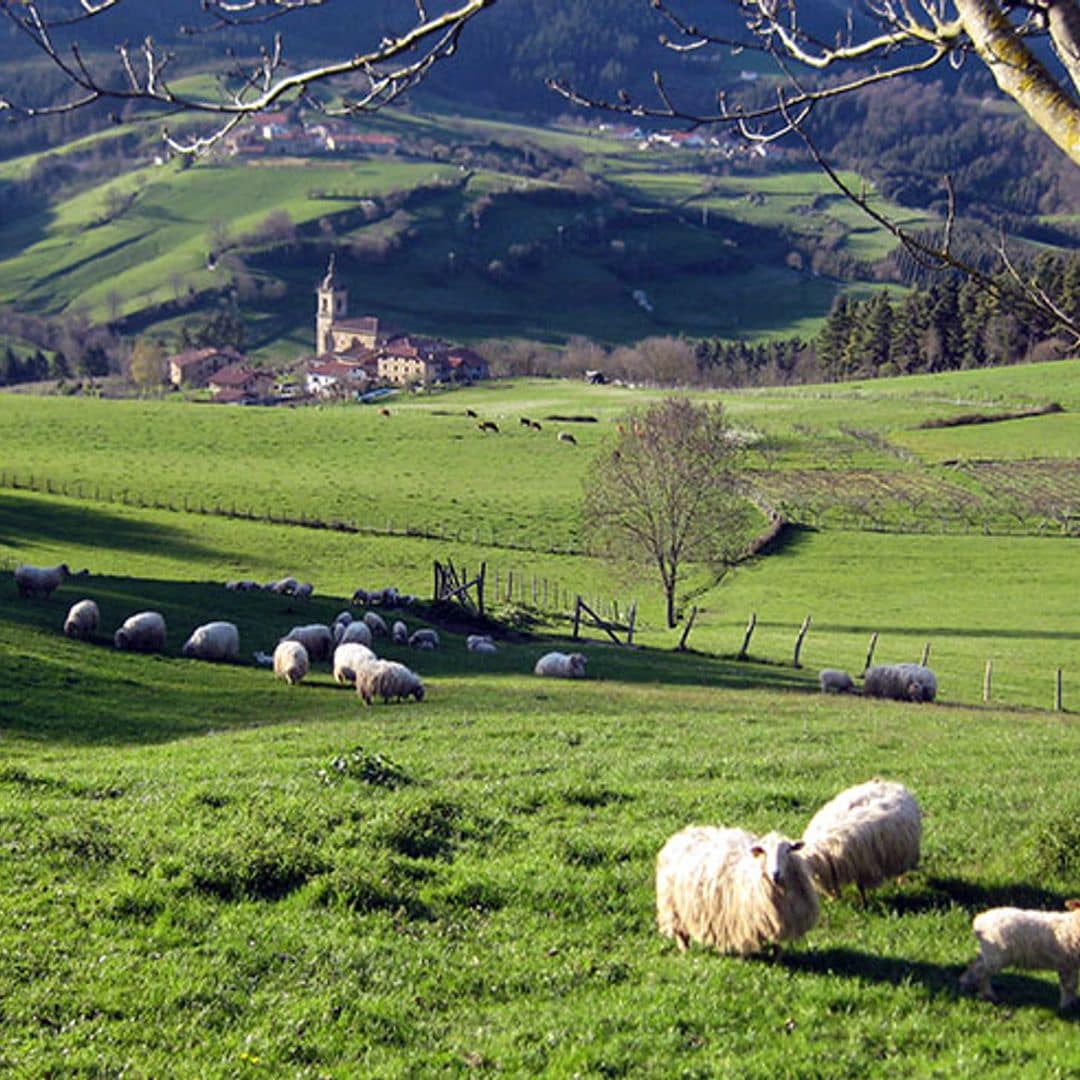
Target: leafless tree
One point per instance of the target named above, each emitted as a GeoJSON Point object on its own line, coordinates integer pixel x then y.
{"type": "Point", "coordinates": [370, 74]}
{"type": "Point", "coordinates": [666, 494]}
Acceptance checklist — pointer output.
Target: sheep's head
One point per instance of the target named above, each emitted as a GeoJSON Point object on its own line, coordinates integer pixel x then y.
{"type": "Point", "coordinates": [774, 852]}
{"type": "Point", "coordinates": [418, 691]}
{"type": "Point", "coordinates": [120, 638]}
{"type": "Point", "coordinates": [577, 665]}
{"type": "Point", "coordinates": [1073, 905]}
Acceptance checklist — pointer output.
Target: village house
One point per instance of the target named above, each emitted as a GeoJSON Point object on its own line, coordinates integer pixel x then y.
{"type": "Point", "coordinates": [194, 367]}
{"type": "Point", "coordinates": [240, 383]}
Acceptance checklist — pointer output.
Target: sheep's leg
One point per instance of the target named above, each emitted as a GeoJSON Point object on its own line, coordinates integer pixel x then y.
{"type": "Point", "coordinates": [1067, 978]}
{"type": "Point", "coordinates": [977, 976]}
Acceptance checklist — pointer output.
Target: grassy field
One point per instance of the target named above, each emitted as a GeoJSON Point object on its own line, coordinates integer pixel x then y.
{"type": "Point", "coordinates": [207, 873]}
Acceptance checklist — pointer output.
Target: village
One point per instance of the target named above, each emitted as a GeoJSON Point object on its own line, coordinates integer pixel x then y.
{"type": "Point", "coordinates": [354, 359]}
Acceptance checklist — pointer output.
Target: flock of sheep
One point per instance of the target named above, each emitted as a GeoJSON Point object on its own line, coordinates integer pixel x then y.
{"type": "Point", "coordinates": [741, 893]}
{"type": "Point", "coordinates": [722, 887]}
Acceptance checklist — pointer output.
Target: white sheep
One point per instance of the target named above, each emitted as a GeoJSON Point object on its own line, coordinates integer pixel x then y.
{"type": "Point", "coordinates": [424, 638]}
{"type": "Point", "coordinates": [348, 658]}
{"type": "Point", "coordinates": [488, 647]}
{"type": "Point", "coordinates": [304, 591]}
{"type": "Point", "coordinates": [376, 624]}
{"type": "Point", "coordinates": [399, 633]}
{"type": "Point", "coordinates": [1033, 940]}
{"type": "Point", "coordinates": [478, 643]}
{"type": "Point", "coordinates": [285, 586]}
{"type": "Point", "coordinates": [834, 681]}
{"type": "Point", "coordinates": [142, 632]}
{"type": "Point", "coordinates": [315, 637]}
{"type": "Point", "coordinates": [291, 661]}
{"type": "Point", "coordinates": [561, 665]}
{"type": "Point", "coordinates": [900, 682]}
{"type": "Point", "coordinates": [213, 641]}
{"type": "Point", "coordinates": [389, 680]}
{"type": "Point", "coordinates": [863, 835]}
{"type": "Point", "coordinates": [732, 890]}
{"type": "Point", "coordinates": [357, 631]}
{"type": "Point", "coordinates": [82, 620]}
{"type": "Point", "coordinates": [39, 580]}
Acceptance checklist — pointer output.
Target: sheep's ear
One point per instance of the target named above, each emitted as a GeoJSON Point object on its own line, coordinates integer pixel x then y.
{"type": "Point", "coordinates": [797, 845]}
{"type": "Point", "coordinates": [757, 851]}
{"type": "Point", "coordinates": [1073, 905]}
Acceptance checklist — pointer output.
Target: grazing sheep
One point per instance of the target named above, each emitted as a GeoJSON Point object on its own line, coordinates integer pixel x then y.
{"type": "Point", "coordinates": [472, 412]}
{"type": "Point", "coordinates": [357, 631]}
{"type": "Point", "coordinates": [863, 835]}
{"type": "Point", "coordinates": [1033, 940]}
{"type": "Point", "coordinates": [348, 658]}
{"type": "Point", "coordinates": [344, 617]}
{"type": "Point", "coordinates": [316, 638]}
{"type": "Point", "coordinates": [559, 665]}
{"type": "Point", "coordinates": [424, 638]}
{"type": "Point", "coordinates": [285, 586]}
{"type": "Point", "coordinates": [567, 437]}
{"type": "Point", "coordinates": [389, 680]}
{"type": "Point", "coordinates": [386, 597]}
{"type": "Point", "coordinates": [304, 591]}
{"type": "Point", "coordinates": [488, 647]}
{"type": "Point", "coordinates": [39, 581]}
{"type": "Point", "coordinates": [537, 426]}
{"type": "Point", "coordinates": [480, 643]}
{"type": "Point", "coordinates": [142, 632]}
{"type": "Point", "coordinates": [900, 682]}
{"type": "Point", "coordinates": [836, 682]}
{"type": "Point", "coordinates": [291, 661]}
{"type": "Point", "coordinates": [213, 641]}
{"type": "Point", "coordinates": [376, 624]}
{"type": "Point", "coordinates": [732, 890]}
{"type": "Point", "coordinates": [82, 620]}
{"type": "Point", "coordinates": [399, 633]}
{"type": "Point", "coordinates": [524, 421]}
{"type": "Point", "coordinates": [488, 425]}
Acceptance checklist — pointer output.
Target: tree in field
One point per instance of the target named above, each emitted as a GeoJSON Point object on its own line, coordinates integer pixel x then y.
{"type": "Point", "coordinates": [666, 495]}
{"type": "Point", "coordinates": [147, 367]}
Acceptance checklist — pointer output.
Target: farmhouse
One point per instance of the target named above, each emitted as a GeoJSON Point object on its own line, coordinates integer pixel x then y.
{"type": "Point", "coordinates": [240, 382]}
{"type": "Point", "coordinates": [194, 367]}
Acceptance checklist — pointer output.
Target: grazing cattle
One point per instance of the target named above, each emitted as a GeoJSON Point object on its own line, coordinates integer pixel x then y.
{"type": "Point", "coordinates": [487, 425]}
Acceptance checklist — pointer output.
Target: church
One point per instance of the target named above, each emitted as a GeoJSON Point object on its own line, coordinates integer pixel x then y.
{"type": "Point", "coordinates": [359, 351]}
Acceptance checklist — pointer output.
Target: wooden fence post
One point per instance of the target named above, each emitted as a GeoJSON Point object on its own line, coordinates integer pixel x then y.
{"type": "Point", "coordinates": [746, 637]}
{"type": "Point", "coordinates": [870, 651]}
{"type": "Point", "coordinates": [925, 655]}
{"type": "Point", "coordinates": [799, 640]}
{"type": "Point", "coordinates": [686, 629]}
{"type": "Point", "coordinates": [577, 617]}
{"type": "Point", "coordinates": [480, 588]}
{"type": "Point", "coordinates": [631, 620]}
{"type": "Point", "coordinates": [988, 675]}
{"type": "Point", "coordinates": [1057, 691]}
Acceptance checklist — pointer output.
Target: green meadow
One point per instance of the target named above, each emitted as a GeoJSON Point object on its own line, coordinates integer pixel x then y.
{"type": "Point", "coordinates": [208, 873]}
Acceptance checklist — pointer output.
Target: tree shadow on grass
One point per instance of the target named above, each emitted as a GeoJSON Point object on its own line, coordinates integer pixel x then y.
{"type": "Point", "coordinates": [30, 521]}
{"type": "Point", "coordinates": [942, 894]}
{"type": "Point", "coordinates": [940, 980]}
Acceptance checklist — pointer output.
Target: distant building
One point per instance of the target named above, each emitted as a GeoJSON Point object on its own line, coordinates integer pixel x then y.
{"type": "Point", "coordinates": [194, 367]}
{"type": "Point", "coordinates": [240, 382]}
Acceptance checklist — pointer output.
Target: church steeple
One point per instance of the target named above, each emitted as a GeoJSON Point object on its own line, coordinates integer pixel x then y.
{"type": "Point", "coordinates": [331, 304]}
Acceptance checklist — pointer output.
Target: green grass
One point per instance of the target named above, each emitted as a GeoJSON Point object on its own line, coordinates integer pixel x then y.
{"type": "Point", "coordinates": [206, 873]}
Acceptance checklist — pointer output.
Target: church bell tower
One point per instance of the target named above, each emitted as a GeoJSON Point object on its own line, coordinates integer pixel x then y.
{"type": "Point", "coordinates": [330, 306]}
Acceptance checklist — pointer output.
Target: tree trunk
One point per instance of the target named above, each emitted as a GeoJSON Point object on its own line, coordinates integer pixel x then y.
{"type": "Point", "coordinates": [669, 594]}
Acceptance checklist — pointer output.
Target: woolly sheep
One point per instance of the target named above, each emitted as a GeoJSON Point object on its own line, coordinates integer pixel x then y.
{"type": "Point", "coordinates": [836, 682]}
{"type": "Point", "coordinates": [399, 633]}
{"type": "Point", "coordinates": [348, 658]}
{"type": "Point", "coordinates": [316, 638]}
{"type": "Point", "coordinates": [732, 890]}
{"type": "Point", "coordinates": [291, 661]}
{"type": "Point", "coordinates": [480, 643]}
{"type": "Point", "coordinates": [376, 623]}
{"type": "Point", "coordinates": [285, 586]}
{"type": "Point", "coordinates": [304, 591]}
{"type": "Point", "coordinates": [213, 641]}
{"type": "Point", "coordinates": [39, 580]}
{"type": "Point", "coordinates": [900, 682]}
{"type": "Point", "coordinates": [357, 631]}
{"type": "Point", "coordinates": [863, 835]}
{"type": "Point", "coordinates": [389, 680]}
{"type": "Point", "coordinates": [142, 632]}
{"type": "Point", "coordinates": [424, 638]}
{"type": "Point", "coordinates": [561, 665]}
{"type": "Point", "coordinates": [82, 620]}
{"type": "Point", "coordinates": [1033, 940]}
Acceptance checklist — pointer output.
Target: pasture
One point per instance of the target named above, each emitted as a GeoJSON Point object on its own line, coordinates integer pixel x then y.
{"type": "Point", "coordinates": [210, 873]}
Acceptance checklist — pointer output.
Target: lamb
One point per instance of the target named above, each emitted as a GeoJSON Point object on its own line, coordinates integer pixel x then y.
{"type": "Point", "coordinates": [213, 641]}
{"type": "Point", "coordinates": [39, 581]}
{"type": "Point", "coordinates": [291, 661]}
{"type": "Point", "coordinates": [836, 682]}
{"type": "Point", "coordinates": [82, 620]}
{"type": "Point", "coordinates": [424, 638]}
{"type": "Point", "coordinates": [376, 623]}
{"type": "Point", "coordinates": [900, 682]}
{"type": "Point", "coordinates": [561, 665]}
{"type": "Point", "coordinates": [732, 890]}
{"type": "Point", "coordinates": [399, 633]}
{"type": "Point", "coordinates": [316, 638]}
{"type": "Point", "coordinates": [348, 658]}
{"type": "Point", "coordinates": [1039, 940]}
{"type": "Point", "coordinates": [864, 835]}
{"type": "Point", "coordinates": [357, 631]}
{"type": "Point", "coordinates": [142, 632]}
{"type": "Point", "coordinates": [389, 680]}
